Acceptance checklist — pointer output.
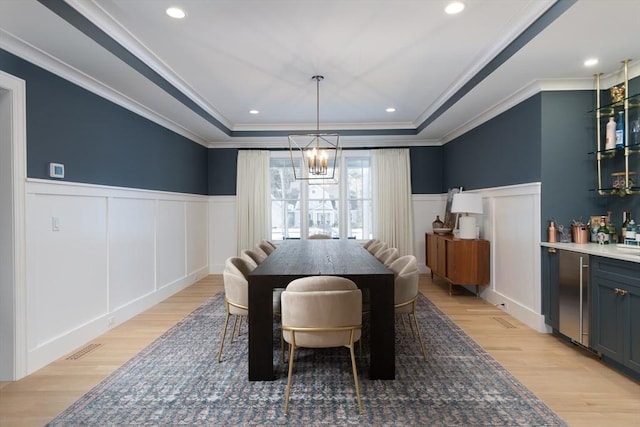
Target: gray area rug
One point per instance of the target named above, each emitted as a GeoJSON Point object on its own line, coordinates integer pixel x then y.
{"type": "Point", "coordinates": [177, 381]}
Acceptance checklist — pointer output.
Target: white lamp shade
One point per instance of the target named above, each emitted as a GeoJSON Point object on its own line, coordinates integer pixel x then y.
{"type": "Point", "coordinates": [466, 203]}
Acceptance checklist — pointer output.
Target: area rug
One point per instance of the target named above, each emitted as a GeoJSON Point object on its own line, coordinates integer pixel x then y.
{"type": "Point", "coordinates": [177, 381]}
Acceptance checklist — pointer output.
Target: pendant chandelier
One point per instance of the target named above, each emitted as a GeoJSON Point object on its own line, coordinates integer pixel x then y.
{"type": "Point", "coordinates": [317, 152]}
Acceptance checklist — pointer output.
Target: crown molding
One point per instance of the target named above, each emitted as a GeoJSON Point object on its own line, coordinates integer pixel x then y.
{"type": "Point", "coordinates": [47, 62]}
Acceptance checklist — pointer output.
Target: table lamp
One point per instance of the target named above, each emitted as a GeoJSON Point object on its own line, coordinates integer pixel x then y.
{"type": "Point", "coordinates": [467, 203]}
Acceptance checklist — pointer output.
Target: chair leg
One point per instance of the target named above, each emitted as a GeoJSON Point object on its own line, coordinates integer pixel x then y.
{"type": "Point", "coordinates": [355, 374]}
{"type": "Point", "coordinates": [415, 321]}
{"type": "Point", "coordinates": [224, 332]}
{"type": "Point", "coordinates": [286, 394]}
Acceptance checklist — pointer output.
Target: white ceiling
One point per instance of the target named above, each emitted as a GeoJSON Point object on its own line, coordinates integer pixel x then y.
{"type": "Point", "coordinates": [230, 56]}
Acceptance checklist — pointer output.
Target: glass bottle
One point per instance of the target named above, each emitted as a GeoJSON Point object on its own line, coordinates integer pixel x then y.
{"type": "Point", "coordinates": [630, 235]}
{"type": "Point", "coordinates": [603, 231]}
{"type": "Point", "coordinates": [625, 223]}
{"type": "Point", "coordinates": [613, 234]}
{"type": "Point", "coordinates": [437, 224]}
{"type": "Point", "coordinates": [620, 130]}
{"type": "Point", "coordinates": [610, 136]}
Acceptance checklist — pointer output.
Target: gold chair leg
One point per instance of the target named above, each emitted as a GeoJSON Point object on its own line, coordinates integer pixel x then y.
{"type": "Point", "coordinates": [355, 374]}
{"type": "Point", "coordinates": [224, 332]}
{"type": "Point", "coordinates": [415, 321]}
{"type": "Point", "coordinates": [286, 394]}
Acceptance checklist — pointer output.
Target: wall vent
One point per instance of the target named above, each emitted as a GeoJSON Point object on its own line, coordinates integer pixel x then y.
{"type": "Point", "coordinates": [83, 351]}
{"type": "Point", "coordinates": [505, 323]}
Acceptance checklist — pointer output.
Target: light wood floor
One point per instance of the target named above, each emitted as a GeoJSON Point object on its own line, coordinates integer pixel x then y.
{"type": "Point", "coordinates": [583, 391]}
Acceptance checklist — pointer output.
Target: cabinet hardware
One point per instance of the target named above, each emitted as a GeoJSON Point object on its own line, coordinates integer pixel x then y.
{"type": "Point", "coordinates": [552, 250]}
{"type": "Point", "coordinates": [620, 291]}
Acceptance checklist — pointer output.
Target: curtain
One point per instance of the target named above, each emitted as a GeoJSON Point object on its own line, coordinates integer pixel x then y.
{"type": "Point", "coordinates": [253, 210]}
{"type": "Point", "coordinates": [393, 207]}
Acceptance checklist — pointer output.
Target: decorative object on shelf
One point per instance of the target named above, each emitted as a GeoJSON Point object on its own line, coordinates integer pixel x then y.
{"type": "Point", "coordinates": [619, 180]}
{"type": "Point", "coordinates": [552, 232]}
{"type": "Point", "coordinates": [620, 130]}
{"type": "Point", "coordinates": [467, 203]}
{"type": "Point", "coordinates": [438, 226]}
{"type": "Point", "coordinates": [617, 93]}
{"type": "Point", "coordinates": [450, 219]}
{"type": "Point", "coordinates": [625, 224]}
{"type": "Point", "coordinates": [635, 131]}
{"type": "Point", "coordinates": [610, 138]}
{"type": "Point", "coordinates": [318, 152]}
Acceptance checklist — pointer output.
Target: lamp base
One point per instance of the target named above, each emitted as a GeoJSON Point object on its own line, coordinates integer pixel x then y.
{"type": "Point", "coordinates": [467, 226]}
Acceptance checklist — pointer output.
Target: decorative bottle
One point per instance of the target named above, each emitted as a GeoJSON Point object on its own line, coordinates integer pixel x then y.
{"type": "Point", "coordinates": [603, 231]}
{"type": "Point", "coordinates": [552, 232]}
{"type": "Point", "coordinates": [630, 235]}
{"type": "Point", "coordinates": [620, 130]}
{"type": "Point", "coordinates": [625, 223]}
{"type": "Point", "coordinates": [610, 139]}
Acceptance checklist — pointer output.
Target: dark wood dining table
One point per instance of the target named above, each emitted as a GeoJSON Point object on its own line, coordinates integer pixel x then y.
{"type": "Point", "coordinates": [302, 258]}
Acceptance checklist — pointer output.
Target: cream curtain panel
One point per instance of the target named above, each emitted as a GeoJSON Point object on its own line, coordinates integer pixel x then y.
{"type": "Point", "coordinates": [393, 207]}
{"type": "Point", "coordinates": [253, 210]}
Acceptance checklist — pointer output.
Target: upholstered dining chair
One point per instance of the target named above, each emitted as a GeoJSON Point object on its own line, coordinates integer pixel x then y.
{"type": "Point", "coordinates": [260, 252]}
{"type": "Point", "coordinates": [383, 246]}
{"type": "Point", "coordinates": [321, 312]}
{"type": "Point", "coordinates": [267, 247]}
{"type": "Point", "coordinates": [252, 256]}
{"type": "Point", "coordinates": [387, 256]}
{"type": "Point", "coordinates": [236, 295]}
{"type": "Point", "coordinates": [369, 243]}
{"type": "Point", "coordinates": [375, 247]}
{"type": "Point", "coordinates": [319, 236]}
{"type": "Point", "coordinates": [405, 293]}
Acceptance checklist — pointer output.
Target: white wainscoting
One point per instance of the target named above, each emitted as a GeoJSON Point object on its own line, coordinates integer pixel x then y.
{"type": "Point", "coordinates": [511, 223]}
{"type": "Point", "coordinates": [426, 207]}
{"type": "Point", "coordinates": [115, 253]}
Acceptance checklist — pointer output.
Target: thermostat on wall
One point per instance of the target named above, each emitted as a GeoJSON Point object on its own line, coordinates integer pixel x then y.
{"type": "Point", "coordinates": [56, 170]}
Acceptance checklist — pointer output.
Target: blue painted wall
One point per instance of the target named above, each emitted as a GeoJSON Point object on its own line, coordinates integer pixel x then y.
{"type": "Point", "coordinates": [222, 171]}
{"type": "Point", "coordinates": [100, 142]}
{"type": "Point", "coordinates": [502, 151]}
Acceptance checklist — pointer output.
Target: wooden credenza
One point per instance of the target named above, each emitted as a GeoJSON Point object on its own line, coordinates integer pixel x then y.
{"type": "Point", "coordinates": [459, 261]}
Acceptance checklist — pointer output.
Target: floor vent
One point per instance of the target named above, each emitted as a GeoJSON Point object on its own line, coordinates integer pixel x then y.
{"type": "Point", "coordinates": [504, 323]}
{"type": "Point", "coordinates": [83, 351]}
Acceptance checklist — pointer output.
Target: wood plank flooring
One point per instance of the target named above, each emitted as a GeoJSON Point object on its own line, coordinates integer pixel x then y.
{"type": "Point", "coordinates": [583, 391]}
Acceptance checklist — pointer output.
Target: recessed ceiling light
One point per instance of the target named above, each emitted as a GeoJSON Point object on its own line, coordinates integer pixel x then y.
{"type": "Point", "coordinates": [176, 12]}
{"type": "Point", "coordinates": [454, 7]}
{"type": "Point", "coordinates": [390, 110]}
{"type": "Point", "coordinates": [254, 112]}
{"type": "Point", "coordinates": [590, 62]}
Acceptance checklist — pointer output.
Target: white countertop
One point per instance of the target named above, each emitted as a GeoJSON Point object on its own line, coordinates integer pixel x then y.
{"type": "Point", "coordinates": [609, 251]}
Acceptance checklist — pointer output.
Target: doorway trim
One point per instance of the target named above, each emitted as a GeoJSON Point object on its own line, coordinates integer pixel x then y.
{"type": "Point", "coordinates": [13, 314]}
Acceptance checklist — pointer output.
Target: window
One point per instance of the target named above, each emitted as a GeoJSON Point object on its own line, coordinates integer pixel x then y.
{"type": "Point", "coordinates": [342, 210]}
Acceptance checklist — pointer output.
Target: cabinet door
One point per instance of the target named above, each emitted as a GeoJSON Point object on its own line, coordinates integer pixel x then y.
{"type": "Point", "coordinates": [468, 262]}
{"type": "Point", "coordinates": [441, 257]}
{"type": "Point", "coordinates": [550, 272]}
{"type": "Point", "coordinates": [632, 320]}
{"type": "Point", "coordinates": [608, 318]}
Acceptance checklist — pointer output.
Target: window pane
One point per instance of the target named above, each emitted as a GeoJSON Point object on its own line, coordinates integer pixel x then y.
{"type": "Point", "coordinates": [285, 200]}
{"type": "Point", "coordinates": [323, 209]}
{"type": "Point", "coordinates": [359, 197]}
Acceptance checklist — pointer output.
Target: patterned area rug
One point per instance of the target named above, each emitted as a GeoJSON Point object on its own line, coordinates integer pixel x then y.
{"type": "Point", "coordinates": [177, 381]}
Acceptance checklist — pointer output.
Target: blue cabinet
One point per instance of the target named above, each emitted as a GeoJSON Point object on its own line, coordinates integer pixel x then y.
{"type": "Point", "coordinates": [616, 312]}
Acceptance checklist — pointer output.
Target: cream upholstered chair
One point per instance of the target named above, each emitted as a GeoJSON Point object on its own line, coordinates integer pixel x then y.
{"type": "Point", "coordinates": [405, 293]}
{"type": "Point", "coordinates": [383, 246]}
{"type": "Point", "coordinates": [387, 256]}
{"type": "Point", "coordinates": [267, 247]}
{"type": "Point", "coordinates": [369, 243]}
{"type": "Point", "coordinates": [376, 247]}
{"type": "Point", "coordinates": [321, 312]}
{"type": "Point", "coordinates": [319, 236]}
{"type": "Point", "coordinates": [236, 295]}
{"type": "Point", "coordinates": [252, 256]}
{"type": "Point", "coordinates": [260, 252]}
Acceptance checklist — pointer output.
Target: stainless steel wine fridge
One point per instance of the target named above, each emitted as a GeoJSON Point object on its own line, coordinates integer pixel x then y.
{"type": "Point", "coordinates": [573, 289]}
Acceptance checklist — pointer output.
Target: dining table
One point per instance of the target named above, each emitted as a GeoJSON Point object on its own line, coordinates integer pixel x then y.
{"type": "Point", "coordinates": [294, 259]}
